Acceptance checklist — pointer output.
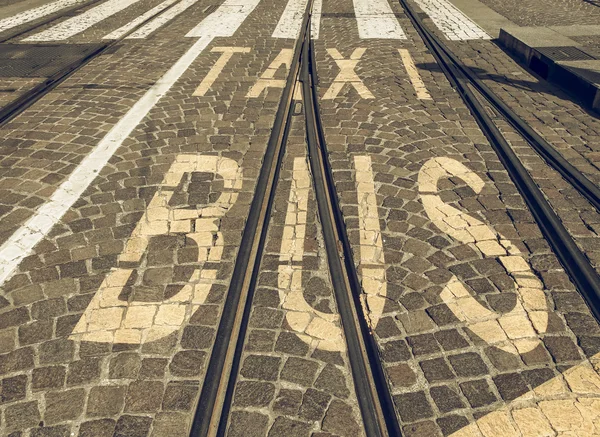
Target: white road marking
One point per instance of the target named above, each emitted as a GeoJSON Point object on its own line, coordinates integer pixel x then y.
{"type": "Point", "coordinates": [414, 76]}
{"type": "Point", "coordinates": [291, 20]}
{"type": "Point", "coordinates": [267, 79]}
{"type": "Point", "coordinates": [34, 14]}
{"type": "Point", "coordinates": [311, 324]}
{"type": "Point", "coordinates": [139, 20]}
{"type": "Point", "coordinates": [375, 19]}
{"type": "Point", "coordinates": [452, 22]}
{"type": "Point", "coordinates": [372, 260]}
{"type": "Point", "coordinates": [109, 319]}
{"type": "Point", "coordinates": [516, 331]}
{"type": "Point", "coordinates": [217, 68]}
{"type": "Point", "coordinates": [315, 24]}
{"type": "Point", "coordinates": [78, 24]}
{"type": "Point", "coordinates": [162, 19]}
{"type": "Point", "coordinates": [347, 75]}
{"type": "Point", "coordinates": [223, 22]}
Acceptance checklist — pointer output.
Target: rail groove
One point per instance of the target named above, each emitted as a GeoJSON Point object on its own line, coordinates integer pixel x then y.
{"type": "Point", "coordinates": [213, 406]}
{"type": "Point", "coordinates": [372, 390]}
{"type": "Point", "coordinates": [371, 386]}
{"type": "Point", "coordinates": [573, 260]}
{"type": "Point", "coordinates": [30, 97]}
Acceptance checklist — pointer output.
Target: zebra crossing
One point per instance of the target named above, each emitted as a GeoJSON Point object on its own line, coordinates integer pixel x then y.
{"type": "Point", "coordinates": [375, 19]}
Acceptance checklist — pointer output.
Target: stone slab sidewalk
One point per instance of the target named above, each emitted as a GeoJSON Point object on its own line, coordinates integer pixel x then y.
{"type": "Point", "coordinates": [566, 55]}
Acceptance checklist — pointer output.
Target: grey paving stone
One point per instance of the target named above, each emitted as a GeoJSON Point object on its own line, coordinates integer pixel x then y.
{"type": "Point", "coordinates": [413, 406]}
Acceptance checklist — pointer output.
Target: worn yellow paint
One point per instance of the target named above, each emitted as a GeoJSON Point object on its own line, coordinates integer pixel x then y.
{"type": "Point", "coordinates": [217, 68]}
{"type": "Point", "coordinates": [347, 75]}
{"type": "Point", "coordinates": [530, 314]}
{"type": "Point", "coordinates": [267, 79]}
{"type": "Point", "coordinates": [372, 261]}
{"type": "Point", "coordinates": [414, 76]}
{"type": "Point", "coordinates": [112, 320]}
{"type": "Point", "coordinates": [567, 405]}
{"type": "Point", "coordinates": [313, 326]}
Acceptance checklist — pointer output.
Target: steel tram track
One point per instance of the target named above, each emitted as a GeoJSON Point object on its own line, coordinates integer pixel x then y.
{"type": "Point", "coordinates": [370, 383]}
{"type": "Point", "coordinates": [465, 81]}
{"type": "Point", "coordinates": [371, 386]}
{"type": "Point", "coordinates": [30, 97]}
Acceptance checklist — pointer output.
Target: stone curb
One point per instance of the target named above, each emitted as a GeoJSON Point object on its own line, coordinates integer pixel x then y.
{"type": "Point", "coordinates": [579, 78]}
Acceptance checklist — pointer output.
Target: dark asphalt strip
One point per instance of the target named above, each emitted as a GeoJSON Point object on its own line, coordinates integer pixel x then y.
{"type": "Point", "coordinates": [27, 99]}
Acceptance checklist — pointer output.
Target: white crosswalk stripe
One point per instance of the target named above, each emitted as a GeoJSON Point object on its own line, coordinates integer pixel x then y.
{"type": "Point", "coordinates": [139, 20]}
{"type": "Point", "coordinates": [36, 13]}
{"type": "Point", "coordinates": [452, 22]}
{"type": "Point", "coordinates": [78, 24]}
{"type": "Point", "coordinates": [291, 19]}
{"type": "Point", "coordinates": [375, 19]}
{"type": "Point", "coordinates": [162, 19]}
{"type": "Point", "coordinates": [316, 19]}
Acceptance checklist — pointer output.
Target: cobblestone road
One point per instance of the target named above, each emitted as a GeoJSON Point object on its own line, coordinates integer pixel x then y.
{"type": "Point", "coordinates": [108, 320]}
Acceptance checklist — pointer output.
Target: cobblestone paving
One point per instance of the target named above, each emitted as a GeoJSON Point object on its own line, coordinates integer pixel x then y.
{"type": "Point", "coordinates": [12, 87]}
{"type": "Point", "coordinates": [480, 330]}
{"type": "Point", "coordinates": [294, 379]}
{"type": "Point", "coordinates": [44, 144]}
{"type": "Point", "coordinates": [126, 389]}
{"type": "Point", "coordinates": [574, 132]}
{"type": "Point", "coordinates": [547, 13]}
{"type": "Point", "coordinates": [450, 374]}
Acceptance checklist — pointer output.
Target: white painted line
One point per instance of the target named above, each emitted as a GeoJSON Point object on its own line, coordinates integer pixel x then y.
{"type": "Point", "coordinates": [414, 76]}
{"type": "Point", "coordinates": [22, 242]}
{"type": "Point", "coordinates": [375, 19]}
{"type": "Point", "coordinates": [217, 68]}
{"type": "Point", "coordinates": [78, 24]}
{"type": "Point", "coordinates": [162, 19]}
{"type": "Point", "coordinates": [452, 22]}
{"type": "Point", "coordinates": [139, 20]}
{"type": "Point", "coordinates": [291, 20]}
{"type": "Point", "coordinates": [225, 20]}
{"type": "Point", "coordinates": [34, 14]}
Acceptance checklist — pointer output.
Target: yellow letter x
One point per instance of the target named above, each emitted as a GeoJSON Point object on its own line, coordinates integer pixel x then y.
{"type": "Point", "coordinates": [347, 75]}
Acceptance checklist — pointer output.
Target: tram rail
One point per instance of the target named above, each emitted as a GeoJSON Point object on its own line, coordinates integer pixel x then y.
{"type": "Point", "coordinates": [31, 96]}
{"type": "Point", "coordinates": [573, 260]}
{"type": "Point", "coordinates": [373, 393]}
